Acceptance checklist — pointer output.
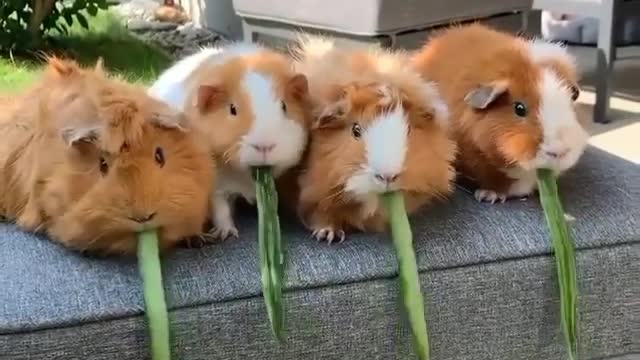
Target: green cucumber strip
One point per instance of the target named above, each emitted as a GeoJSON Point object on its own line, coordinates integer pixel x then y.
{"type": "Point", "coordinates": [154, 300]}
{"type": "Point", "coordinates": [408, 271]}
{"type": "Point", "coordinates": [270, 248]}
{"type": "Point", "coordinates": [564, 252]}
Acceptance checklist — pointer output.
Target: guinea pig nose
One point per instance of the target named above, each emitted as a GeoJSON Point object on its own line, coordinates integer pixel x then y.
{"type": "Point", "coordinates": [264, 148]}
{"type": "Point", "coordinates": [557, 154]}
{"type": "Point", "coordinates": [142, 218]}
{"type": "Point", "coordinates": [387, 178]}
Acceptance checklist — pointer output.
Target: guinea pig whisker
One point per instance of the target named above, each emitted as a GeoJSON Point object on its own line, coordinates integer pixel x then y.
{"type": "Point", "coordinates": [332, 196]}
{"type": "Point", "coordinates": [226, 156]}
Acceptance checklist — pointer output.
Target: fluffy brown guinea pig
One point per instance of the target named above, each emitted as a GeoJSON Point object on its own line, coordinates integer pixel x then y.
{"type": "Point", "coordinates": [91, 161]}
{"type": "Point", "coordinates": [512, 107]}
{"type": "Point", "coordinates": [379, 127]}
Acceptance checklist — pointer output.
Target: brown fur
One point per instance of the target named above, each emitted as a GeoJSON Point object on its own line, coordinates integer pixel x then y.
{"type": "Point", "coordinates": [210, 98]}
{"type": "Point", "coordinates": [346, 88]}
{"type": "Point", "coordinates": [51, 177]}
{"type": "Point", "coordinates": [461, 58]}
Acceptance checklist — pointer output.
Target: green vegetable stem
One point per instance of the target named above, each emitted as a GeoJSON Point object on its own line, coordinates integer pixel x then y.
{"type": "Point", "coordinates": [564, 252]}
{"type": "Point", "coordinates": [408, 271]}
{"type": "Point", "coordinates": [155, 306]}
{"type": "Point", "coordinates": [270, 247]}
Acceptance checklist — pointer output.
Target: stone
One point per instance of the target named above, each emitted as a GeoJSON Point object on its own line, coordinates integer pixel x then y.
{"type": "Point", "coordinates": [178, 40]}
{"type": "Point", "coordinates": [142, 25]}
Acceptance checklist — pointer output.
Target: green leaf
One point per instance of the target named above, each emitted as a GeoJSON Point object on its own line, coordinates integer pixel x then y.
{"type": "Point", "coordinates": [154, 298]}
{"type": "Point", "coordinates": [82, 20]}
{"type": "Point", "coordinates": [92, 9]}
{"type": "Point", "coordinates": [79, 5]}
{"type": "Point", "coordinates": [564, 251]}
{"type": "Point", "coordinates": [410, 291]}
{"type": "Point", "coordinates": [102, 4]}
{"type": "Point", "coordinates": [272, 257]}
{"type": "Point", "coordinates": [67, 17]}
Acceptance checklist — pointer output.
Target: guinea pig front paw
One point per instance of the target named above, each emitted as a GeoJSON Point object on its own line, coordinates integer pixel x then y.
{"type": "Point", "coordinates": [223, 232]}
{"type": "Point", "coordinates": [491, 196]}
{"type": "Point", "coordinates": [329, 235]}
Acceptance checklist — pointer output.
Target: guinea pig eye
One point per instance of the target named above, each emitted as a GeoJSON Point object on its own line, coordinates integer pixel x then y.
{"type": "Point", "coordinates": [159, 157]}
{"type": "Point", "coordinates": [575, 93]}
{"type": "Point", "coordinates": [232, 110]}
{"type": "Point", "coordinates": [104, 167]}
{"type": "Point", "coordinates": [284, 106]}
{"type": "Point", "coordinates": [356, 130]}
{"type": "Point", "coordinates": [519, 109]}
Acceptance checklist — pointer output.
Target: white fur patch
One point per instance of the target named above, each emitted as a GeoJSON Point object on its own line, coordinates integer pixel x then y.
{"type": "Point", "coordinates": [271, 127]}
{"type": "Point", "coordinates": [312, 46]}
{"type": "Point", "coordinates": [431, 96]}
{"type": "Point", "coordinates": [541, 50]}
{"type": "Point", "coordinates": [562, 133]}
{"type": "Point", "coordinates": [386, 145]}
{"type": "Point", "coordinates": [525, 181]}
{"type": "Point", "coordinates": [170, 87]}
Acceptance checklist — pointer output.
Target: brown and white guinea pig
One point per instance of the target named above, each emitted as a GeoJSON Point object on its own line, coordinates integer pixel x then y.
{"type": "Point", "coordinates": [91, 161]}
{"type": "Point", "coordinates": [512, 106]}
{"type": "Point", "coordinates": [379, 127]}
{"type": "Point", "coordinates": [254, 109]}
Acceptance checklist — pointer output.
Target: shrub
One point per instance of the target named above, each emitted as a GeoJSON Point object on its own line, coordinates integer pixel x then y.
{"type": "Point", "coordinates": [23, 23]}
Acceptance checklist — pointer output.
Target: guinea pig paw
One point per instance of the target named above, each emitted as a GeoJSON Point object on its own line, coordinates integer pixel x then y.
{"type": "Point", "coordinates": [198, 241]}
{"type": "Point", "coordinates": [223, 232]}
{"type": "Point", "coordinates": [491, 196]}
{"type": "Point", "coordinates": [329, 235]}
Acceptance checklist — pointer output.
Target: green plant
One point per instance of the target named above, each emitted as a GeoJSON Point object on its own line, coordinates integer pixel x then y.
{"type": "Point", "coordinates": [154, 301]}
{"type": "Point", "coordinates": [564, 252]}
{"type": "Point", "coordinates": [271, 251]}
{"type": "Point", "coordinates": [408, 271]}
{"type": "Point", "coordinates": [24, 22]}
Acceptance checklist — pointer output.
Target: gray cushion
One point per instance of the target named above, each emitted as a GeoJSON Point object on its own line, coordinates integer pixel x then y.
{"type": "Point", "coordinates": [487, 274]}
{"type": "Point", "coordinates": [373, 17]}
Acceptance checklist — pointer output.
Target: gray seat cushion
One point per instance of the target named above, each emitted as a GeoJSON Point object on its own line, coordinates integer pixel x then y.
{"type": "Point", "coordinates": [486, 272]}
{"type": "Point", "coordinates": [373, 17]}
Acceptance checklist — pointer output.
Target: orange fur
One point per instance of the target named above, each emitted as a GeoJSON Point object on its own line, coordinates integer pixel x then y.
{"type": "Point", "coordinates": [489, 140]}
{"type": "Point", "coordinates": [222, 83]}
{"type": "Point", "coordinates": [62, 134]}
{"type": "Point", "coordinates": [349, 86]}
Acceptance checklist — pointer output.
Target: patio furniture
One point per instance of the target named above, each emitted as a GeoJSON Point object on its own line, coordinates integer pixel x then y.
{"type": "Point", "coordinates": [609, 13]}
{"type": "Point", "coordinates": [405, 23]}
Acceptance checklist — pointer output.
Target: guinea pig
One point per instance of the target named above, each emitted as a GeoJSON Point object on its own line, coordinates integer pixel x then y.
{"type": "Point", "coordinates": [91, 161]}
{"type": "Point", "coordinates": [379, 127]}
{"type": "Point", "coordinates": [512, 104]}
{"type": "Point", "coordinates": [251, 106]}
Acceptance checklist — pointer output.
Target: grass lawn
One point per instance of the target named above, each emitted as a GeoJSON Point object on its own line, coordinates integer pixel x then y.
{"type": "Point", "coordinates": [123, 54]}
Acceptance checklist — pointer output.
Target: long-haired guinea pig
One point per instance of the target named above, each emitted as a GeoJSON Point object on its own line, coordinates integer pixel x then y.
{"type": "Point", "coordinates": [379, 127]}
{"type": "Point", "coordinates": [253, 108]}
{"type": "Point", "coordinates": [512, 105]}
{"type": "Point", "coordinates": [91, 161]}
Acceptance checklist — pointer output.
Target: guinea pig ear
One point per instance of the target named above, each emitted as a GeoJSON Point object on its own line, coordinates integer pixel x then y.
{"type": "Point", "coordinates": [330, 117]}
{"type": "Point", "coordinates": [210, 97]}
{"type": "Point", "coordinates": [170, 120]}
{"type": "Point", "coordinates": [385, 95]}
{"type": "Point", "coordinates": [80, 134]}
{"type": "Point", "coordinates": [298, 87]}
{"type": "Point", "coordinates": [482, 96]}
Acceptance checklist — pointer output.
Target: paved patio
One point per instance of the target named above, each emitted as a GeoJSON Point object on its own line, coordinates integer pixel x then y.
{"type": "Point", "coordinates": [622, 136]}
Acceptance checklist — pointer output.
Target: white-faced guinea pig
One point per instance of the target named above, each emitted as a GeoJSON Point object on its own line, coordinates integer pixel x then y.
{"type": "Point", "coordinates": [251, 106]}
{"type": "Point", "coordinates": [512, 106]}
{"type": "Point", "coordinates": [378, 127]}
{"type": "Point", "coordinates": [91, 161]}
